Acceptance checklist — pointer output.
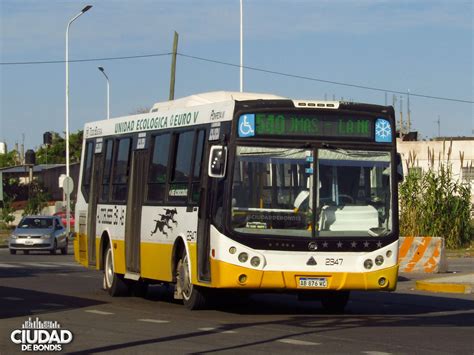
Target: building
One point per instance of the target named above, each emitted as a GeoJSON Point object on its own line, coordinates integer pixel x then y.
{"type": "Point", "coordinates": [47, 175]}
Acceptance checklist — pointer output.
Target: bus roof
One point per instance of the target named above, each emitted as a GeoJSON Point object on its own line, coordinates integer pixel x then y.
{"type": "Point", "coordinates": [211, 98]}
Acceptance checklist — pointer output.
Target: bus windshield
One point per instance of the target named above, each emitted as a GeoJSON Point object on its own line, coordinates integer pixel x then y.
{"type": "Point", "coordinates": [274, 188]}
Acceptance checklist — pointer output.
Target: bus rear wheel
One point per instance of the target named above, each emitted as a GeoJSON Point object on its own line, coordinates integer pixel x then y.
{"type": "Point", "coordinates": [193, 296]}
{"type": "Point", "coordinates": [114, 284]}
{"type": "Point", "coordinates": [335, 301]}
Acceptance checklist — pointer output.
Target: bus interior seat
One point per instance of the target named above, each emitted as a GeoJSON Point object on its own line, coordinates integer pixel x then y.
{"type": "Point", "coordinates": [346, 218]}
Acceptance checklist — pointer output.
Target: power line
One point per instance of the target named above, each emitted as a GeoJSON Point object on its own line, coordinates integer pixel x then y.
{"type": "Point", "coordinates": [325, 81]}
{"type": "Point", "coordinates": [86, 60]}
{"type": "Point", "coordinates": [295, 76]}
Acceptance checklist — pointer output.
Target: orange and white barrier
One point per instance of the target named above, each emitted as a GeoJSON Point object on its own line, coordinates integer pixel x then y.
{"type": "Point", "coordinates": [422, 254]}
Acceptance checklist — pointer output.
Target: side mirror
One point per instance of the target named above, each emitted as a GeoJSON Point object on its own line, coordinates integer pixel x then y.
{"type": "Point", "coordinates": [217, 161]}
{"type": "Point", "coordinates": [399, 162]}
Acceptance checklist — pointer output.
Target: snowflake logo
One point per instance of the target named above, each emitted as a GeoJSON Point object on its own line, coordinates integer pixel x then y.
{"type": "Point", "coordinates": [383, 131]}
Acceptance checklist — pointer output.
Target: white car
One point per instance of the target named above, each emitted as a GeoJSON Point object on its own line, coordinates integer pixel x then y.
{"type": "Point", "coordinates": [39, 233]}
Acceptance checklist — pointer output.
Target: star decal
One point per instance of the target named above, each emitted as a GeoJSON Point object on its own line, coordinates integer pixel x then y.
{"type": "Point", "coordinates": [353, 244]}
{"type": "Point", "coordinates": [325, 244]}
{"type": "Point", "coordinates": [379, 244]}
{"type": "Point", "coordinates": [339, 244]}
{"type": "Point", "coordinates": [366, 244]}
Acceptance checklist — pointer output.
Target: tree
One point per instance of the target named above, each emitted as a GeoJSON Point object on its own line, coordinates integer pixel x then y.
{"type": "Point", "coordinates": [55, 153]}
{"type": "Point", "coordinates": [6, 213]}
{"type": "Point", "coordinates": [8, 159]}
{"type": "Point", "coordinates": [38, 199]}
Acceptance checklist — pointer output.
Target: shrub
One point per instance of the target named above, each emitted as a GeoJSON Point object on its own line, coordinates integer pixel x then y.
{"type": "Point", "coordinates": [6, 214]}
{"type": "Point", "coordinates": [433, 203]}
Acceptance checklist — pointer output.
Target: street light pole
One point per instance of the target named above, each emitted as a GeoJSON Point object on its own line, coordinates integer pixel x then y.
{"type": "Point", "coordinates": [68, 207]}
{"type": "Point", "coordinates": [241, 47]}
{"type": "Point", "coordinates": [108, 91]}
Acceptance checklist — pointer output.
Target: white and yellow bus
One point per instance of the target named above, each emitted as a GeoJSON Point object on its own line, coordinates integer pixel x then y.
{"type": "Point", "coordinates": [242, 191]}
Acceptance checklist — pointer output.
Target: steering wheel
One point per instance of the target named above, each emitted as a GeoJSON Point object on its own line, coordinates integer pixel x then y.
{"type": "Point", "coordinates": [351, 200]}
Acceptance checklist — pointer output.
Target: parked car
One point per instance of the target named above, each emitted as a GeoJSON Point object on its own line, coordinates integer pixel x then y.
{"type": "Point", "coordinates": [63, 215]}
{"type": "Point", "coordinates": [39, 233]}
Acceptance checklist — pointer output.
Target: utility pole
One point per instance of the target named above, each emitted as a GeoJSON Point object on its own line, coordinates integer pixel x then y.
{"type": "Point", "coordinates": [408, 112]}
{"type": "Point", "coordinates": [173, 65]}
{"type": "Point", "coordinates": [439, 126]}
{"type": "Point", "coordinates": [402, 128]}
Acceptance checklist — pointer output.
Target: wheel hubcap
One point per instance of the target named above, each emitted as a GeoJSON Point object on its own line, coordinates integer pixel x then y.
{"type": "Point", "coordinates": [186, 284]}
{"type": "Point", "coordinates": [109, 269]}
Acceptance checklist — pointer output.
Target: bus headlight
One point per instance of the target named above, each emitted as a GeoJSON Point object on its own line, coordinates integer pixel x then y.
{"type": "Point", "coordinates": [243, 257]}
{"type": "Point", "coordinates": [389, 253]}
{"type": "Point", "coordinates": [232, 250]}
{"type": "Point", "coordinates": [379, 260]}
{"type": "Point", "coordinates": [255, 261]}
{"type": "Point", "coordinates": [368, 264]}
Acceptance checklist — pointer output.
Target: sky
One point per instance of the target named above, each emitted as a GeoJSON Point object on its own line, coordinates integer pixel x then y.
{"type": "Point", "coordinates": [424, 46]}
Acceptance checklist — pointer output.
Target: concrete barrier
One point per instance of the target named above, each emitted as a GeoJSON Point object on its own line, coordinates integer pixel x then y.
{"type": "Point", "coordinates": [422, 254]}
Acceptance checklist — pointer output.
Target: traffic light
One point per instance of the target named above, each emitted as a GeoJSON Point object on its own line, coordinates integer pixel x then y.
{"type": "Point", "coordinates": [47, 138]}
{"type": "Point", "coordinates": [30, 157]}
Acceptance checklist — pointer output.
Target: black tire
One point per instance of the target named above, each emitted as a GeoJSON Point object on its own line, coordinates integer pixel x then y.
{"type": "Point", "coordinates": [139, 288]}
{"type": "Point", "coordinates": [335, 301]}
{"type": "Point", "coordinates": [26, 252]}
{"type": "Point", "coordinates": [64, 249]}
{"type": "Point", "coordinates": [12, 251]}
{"type": "Point", "coordinates": [193, 296]}
{"type": "Point", "coordinates": [55, 246]}
{"type": "Point", "coordinates": [114, 283]}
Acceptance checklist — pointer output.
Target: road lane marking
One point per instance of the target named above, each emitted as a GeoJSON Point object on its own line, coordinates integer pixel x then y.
{"type": "Point", "coordinates": [375, 353]}
{"type": "Point", "coordinates": [228, 332]}
{"type": "Point", "coordinates": [206, 329]}
{"type": "Point", "coordinates": [153, 320]}
{"type": "Point", "coordinates": [98, 312]}
{"type": "Point", "coordinates": [9, 265]}
{"type": "Point", "coordinates": [69, 264]}
{"type": "Point", "coordinates": [297, 342]}
{"type": "Point", "coordinates": [39, 264]}
{"type": "Point", "coordinates": [13, 298]}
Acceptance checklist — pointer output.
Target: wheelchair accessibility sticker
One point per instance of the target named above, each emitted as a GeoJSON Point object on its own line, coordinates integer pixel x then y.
{"type": "Point", "coordinates": [247, 125]}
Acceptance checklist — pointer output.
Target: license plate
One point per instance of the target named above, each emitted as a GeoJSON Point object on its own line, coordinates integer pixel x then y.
{"type": "Point", "coordinates": [29, 242]}
{"type": "Point", "coordinates": [313, 282]}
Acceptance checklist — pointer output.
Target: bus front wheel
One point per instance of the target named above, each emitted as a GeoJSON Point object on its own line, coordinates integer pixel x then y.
{"type": "Point", "coordinates": [192, 295]}
{"type": "Point", "coordinates": [113, 283]}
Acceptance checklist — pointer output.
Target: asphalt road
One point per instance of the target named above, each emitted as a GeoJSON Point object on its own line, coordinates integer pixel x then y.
{"type": "Point", "coordinates": [53, 287]}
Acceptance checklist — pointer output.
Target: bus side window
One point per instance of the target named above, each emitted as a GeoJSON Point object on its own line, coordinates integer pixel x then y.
{"type": "Point", "coordinates": [87, 173]}
{"type": "Point", "coordinates": [109, 145]}
{"type": "Point", "coordinates": [180, 172]}
{"type": "Point", "coordinates": [158, 168]}
{"type": "Point", "coordinates": [197, 167]}
{"type": "Point", "coordinates": [121, 170]}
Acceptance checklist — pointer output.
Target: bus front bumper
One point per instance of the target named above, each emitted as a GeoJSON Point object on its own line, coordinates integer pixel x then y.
{"type": "Point", "coordinates": [225, 275]}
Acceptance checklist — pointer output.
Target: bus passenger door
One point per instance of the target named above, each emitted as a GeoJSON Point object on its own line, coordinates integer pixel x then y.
{"type": "Point", "coordinates": [136, 190]}
{"type": "Point", "coordinates": [92, 208]}
{"type": "Point", "coordinates": [204, 215]}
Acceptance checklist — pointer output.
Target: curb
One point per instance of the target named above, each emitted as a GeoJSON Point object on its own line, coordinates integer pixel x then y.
{"type": "Point", "coordinates": [443, 287]}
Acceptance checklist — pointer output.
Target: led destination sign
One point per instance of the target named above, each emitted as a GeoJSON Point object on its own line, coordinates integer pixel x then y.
{"type": "Point", "coordinates": [302, 125]}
